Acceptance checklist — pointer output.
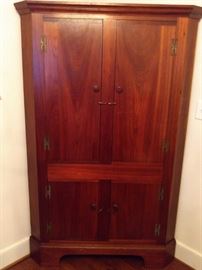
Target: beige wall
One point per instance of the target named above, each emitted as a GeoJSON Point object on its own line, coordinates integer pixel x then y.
{"type": "Point", "coordinates": [14, 203]}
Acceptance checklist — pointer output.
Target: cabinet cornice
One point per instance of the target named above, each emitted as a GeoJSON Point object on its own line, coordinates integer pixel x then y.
{"type": "Point", "coordinates": [29, 6]}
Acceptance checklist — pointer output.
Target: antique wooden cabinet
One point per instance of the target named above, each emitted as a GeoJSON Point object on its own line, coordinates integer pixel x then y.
{"type": "Point", "coordinates": [107, 89]}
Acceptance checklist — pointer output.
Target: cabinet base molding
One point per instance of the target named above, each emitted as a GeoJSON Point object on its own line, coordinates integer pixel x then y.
{"type": "Point", "coordinates": [50, 254]}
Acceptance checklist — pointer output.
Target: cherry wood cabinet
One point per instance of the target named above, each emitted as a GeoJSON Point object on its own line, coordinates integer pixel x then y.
{"type": "Point", "coordinates": [107, 91]}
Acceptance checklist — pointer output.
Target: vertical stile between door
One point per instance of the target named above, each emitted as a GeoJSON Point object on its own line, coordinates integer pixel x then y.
{"type": "Point", "coordinates": [108, 69]}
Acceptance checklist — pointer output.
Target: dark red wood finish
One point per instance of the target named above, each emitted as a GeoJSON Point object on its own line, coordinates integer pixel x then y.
{"type": "Point", "coordinates": [49, 254]}
{"type": "Point", "coordinates": [108, 68]}
{"type": "Point", "coordinates": [118, 171]}
{"type": "Point", "coordinates": [40, 119]}
{"type": "Point", "coordinates": [131, 215]}
{"type": "Point", "coordinates": [110, 97]}
{"type": "Point", "coordinates": [73, 88]}
{"type": "Point", "coordinates": [143, 72]}
{"type": "Point", "coordinates": [74, 210]}
{"type": "Point", "coordinates": [28, 6]}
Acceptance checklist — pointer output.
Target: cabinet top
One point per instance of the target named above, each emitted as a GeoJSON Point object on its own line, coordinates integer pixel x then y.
{"type": "Point", "coordinates": [29, 6]}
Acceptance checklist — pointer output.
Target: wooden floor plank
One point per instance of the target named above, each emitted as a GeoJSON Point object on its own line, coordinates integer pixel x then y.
{"type": "Point", "coordinates": [97, 263]}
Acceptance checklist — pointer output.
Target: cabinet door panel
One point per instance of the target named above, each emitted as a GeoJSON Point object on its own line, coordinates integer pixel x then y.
{"type": "Point", "coordinates": [143, 82]}
{"type": "Point", "coordinates": [135, 210]}
{"type": "Point", "coordinates": [73, 88]}
{"type": "Point", "coordinates": [73, 211]}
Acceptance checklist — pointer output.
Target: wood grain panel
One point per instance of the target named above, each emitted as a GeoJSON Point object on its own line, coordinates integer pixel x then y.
{"type": "Point", "coordinates": [40, 120]}
{"type": "Point", "coordinates": [116, 171]}
{"type": "Point", "coordinates": [143, 73]}
{"type": "Point", "coordinates": [73, 211]}
{"type": "Point", "coordinates": [132, 218]}
{"type": "Point", "coordinates": [72, 70]}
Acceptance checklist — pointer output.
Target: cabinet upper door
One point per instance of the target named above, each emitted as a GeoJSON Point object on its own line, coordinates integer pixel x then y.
{"type": "Point", "coordinates": [142, 90]}
{"type": "Point", "coordinates": [72, 65]}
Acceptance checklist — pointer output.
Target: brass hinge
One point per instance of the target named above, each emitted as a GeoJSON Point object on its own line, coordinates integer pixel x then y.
{"type": "Point", "coordinates": [161, 194]}
{"type": "Point", "coordinates": [157, 230]}
{"type": "Point", "coordinates": [174, 46]}
{"type": "Point", "coordinates": [48, 227]}
{"type": "Point", "coordinates": [165, 146]}
{"type": "Point", "coordinates": [43, 43]}
{"type": "Point", "coordinates": [48, 192]}
{"type": "Point", "coordinates": [46, 144]}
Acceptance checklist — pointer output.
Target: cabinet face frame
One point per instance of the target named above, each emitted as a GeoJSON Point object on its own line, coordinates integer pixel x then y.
{"type": "Point", "coordinates": [32, 15]}
{"type": "Point", "coordinates": [166, 33]}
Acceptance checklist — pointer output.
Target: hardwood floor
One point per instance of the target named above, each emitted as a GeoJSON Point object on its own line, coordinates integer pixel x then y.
{"type": "Point", "coordinates": [97, 263]}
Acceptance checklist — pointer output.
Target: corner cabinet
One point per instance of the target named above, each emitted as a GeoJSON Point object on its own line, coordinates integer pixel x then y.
{"type": "Point", "coordinates": [107, 90]}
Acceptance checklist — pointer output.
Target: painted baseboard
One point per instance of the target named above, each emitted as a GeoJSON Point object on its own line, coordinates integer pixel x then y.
{"type": "Point", "coordinates": [188, 255]}
{"type": "Point", "coordinates": [14, 252]}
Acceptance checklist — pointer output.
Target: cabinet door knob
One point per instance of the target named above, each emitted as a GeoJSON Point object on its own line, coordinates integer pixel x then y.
{"type": "Point", "coordinates": [96, 88]}
{"type": "Point", "coordinates": [93, 206]}
{"type": "Point", "coordinates": [119, 89]}
{"type": "Point", "coordinates": [100, 210]}
{"type": "Point", "coordinates": [115, 207]}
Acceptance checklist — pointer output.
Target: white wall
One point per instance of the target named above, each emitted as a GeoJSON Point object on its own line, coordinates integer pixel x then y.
{"type": "Point", "coordinates": [14, 203]}
{"type": "Point", "coordinates": [189, 221]}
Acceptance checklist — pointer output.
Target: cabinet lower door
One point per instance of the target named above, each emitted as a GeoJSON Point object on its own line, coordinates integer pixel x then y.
{"type": "Point", "coordinates": [135, 210]}
{"type": "Point", "coordinates": [73, 211]}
